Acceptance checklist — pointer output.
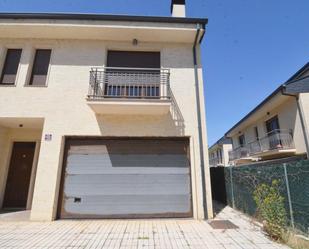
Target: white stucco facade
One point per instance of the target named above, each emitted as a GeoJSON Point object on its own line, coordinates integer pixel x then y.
{"type": "Point", "coordinates": [60, 109]}
{"type": "Point", "coordinates": [289, 119]}
{"type": "Point", "coordinates": [219, 154]}
{"type": "Point", "coordinates": [286, 109]}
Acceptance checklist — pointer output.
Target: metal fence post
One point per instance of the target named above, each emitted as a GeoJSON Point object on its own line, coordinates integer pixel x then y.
{"type": "Point", "coordinates": [232, 187]}
{"type": "Point", "coordinates": [289, 194]}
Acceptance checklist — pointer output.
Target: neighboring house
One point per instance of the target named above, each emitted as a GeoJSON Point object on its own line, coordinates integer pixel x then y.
{"type": "Point", "coordinates": [102, 116]}
{"type": "Point", "coordinates": [276, 128]}
{"type": "Point", "coordinates": [219, 152]}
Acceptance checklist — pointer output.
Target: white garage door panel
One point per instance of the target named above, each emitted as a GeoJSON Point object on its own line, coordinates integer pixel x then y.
{"type": "Point", "coordinates": [122, 184]}
{"type": "Point", "coordinates": [92, 170]}
{"type": "Point", "coordinates": [126, 178]}
{"type": "Point", "coordinates": [92, 163]}
{"type": "Point", "coordinates": [127, 204]}
{"type": "Point", "coordinates": [97, 164]}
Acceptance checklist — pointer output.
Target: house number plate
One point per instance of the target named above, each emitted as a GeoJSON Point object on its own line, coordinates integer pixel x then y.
{"type": "Point", "coordinates": [48, 137]}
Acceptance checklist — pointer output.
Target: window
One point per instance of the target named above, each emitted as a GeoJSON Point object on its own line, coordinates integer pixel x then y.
{"type": "Point", "coordinates": [40, 67]}
{"type": "Point", "coordinates": [241, 140]}
{"type": "Point", "coordinates": [10, 67]}
{"type": "Point", "coordinates": [272, 125]}
{"type": "Point", "coordinates": [133, 74]}
{"type": "Point", "coordinates": [273, 132]}
{"type": "Point", "coordinates": [256, 132]}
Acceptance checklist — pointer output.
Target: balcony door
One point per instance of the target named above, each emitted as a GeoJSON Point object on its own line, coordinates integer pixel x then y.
{"type": "Point", "coordinates": [132, 74]}
{"type": "Point", "coordinates": [273, 133]}
{"type": "Point", "coordinates": [241, 141]}
{"type": "Point", "coordinates": [272, 125]}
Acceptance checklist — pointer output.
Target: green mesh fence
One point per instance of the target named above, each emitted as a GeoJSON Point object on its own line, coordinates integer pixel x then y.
{"type": "Point", "coordinates": [241, 181]}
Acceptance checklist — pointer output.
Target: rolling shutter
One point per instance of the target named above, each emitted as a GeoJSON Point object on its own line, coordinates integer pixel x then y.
{"type": "Point", "coordinates": [9, 72]}
{"type": "Point", "coordinates": [133, 59]}
{"type": "Point", "coordinates": [40, 67]}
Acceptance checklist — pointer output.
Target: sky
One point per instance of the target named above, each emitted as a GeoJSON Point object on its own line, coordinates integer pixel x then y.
{"type": "Point", "coordinates": [250, 47]}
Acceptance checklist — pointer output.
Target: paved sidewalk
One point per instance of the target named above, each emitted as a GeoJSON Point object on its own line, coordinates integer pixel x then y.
{"type": "Point", "coordinates": [162, 233]}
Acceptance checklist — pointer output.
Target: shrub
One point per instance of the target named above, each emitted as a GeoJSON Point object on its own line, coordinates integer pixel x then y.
{"type": "Point", "coordinates": [270, 208]}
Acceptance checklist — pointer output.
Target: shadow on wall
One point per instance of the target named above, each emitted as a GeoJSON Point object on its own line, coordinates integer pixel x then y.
{"type": "Point", "coordinates": [4, 150]}
{"type": "Point", "coordinates": [176, 115]}
{"type": "Point", "coordinates": [171, 124]}
{"type": "Point", "coordinates": [288, 122]}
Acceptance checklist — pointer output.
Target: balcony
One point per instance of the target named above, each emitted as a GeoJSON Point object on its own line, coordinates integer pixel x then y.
{"type": "Point", "coordinates": [276, 144]}
{"type": "Point", "coordinates": [215, 161]}
{"type": "Point", "coordinates": [129, 91]}
{"type": "Point", "coordinates": [239, 153]}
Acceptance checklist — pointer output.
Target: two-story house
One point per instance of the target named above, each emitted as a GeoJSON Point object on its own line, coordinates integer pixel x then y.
{"type": "Point", "coordinates": [277, 127]}
{"type": "Point", "coordinates": [102, 116]}
{"type": "Point", "coordinates": [219, 152]}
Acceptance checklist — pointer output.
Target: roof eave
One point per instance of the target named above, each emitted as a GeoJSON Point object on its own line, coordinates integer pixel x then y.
{"type": "Point", "coordinates": [187, 23]}
{"type": "Point", "coordinates": [284, 91]}
{"type": "Point", "coordinates": [298, 73]}
{"type": "Point", "coordinates": [274, 93]}
{"type": "Point", "coordinates": [103, 17]}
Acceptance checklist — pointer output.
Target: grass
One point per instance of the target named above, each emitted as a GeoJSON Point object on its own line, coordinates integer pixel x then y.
{"type": "Point", "coordinates": [294, 241]}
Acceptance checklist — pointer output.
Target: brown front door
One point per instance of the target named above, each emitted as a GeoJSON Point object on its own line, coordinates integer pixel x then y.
{"type": "Point", "coordinates": [18, 180]}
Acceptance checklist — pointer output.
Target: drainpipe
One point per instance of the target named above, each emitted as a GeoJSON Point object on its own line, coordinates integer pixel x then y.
{"type": "Point", "coordinates": [206, 206]}
{"type": "Point", "coordinates": [301, 116]}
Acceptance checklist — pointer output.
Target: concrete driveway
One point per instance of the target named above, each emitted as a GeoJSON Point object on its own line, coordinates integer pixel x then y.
{"type": "Point", "coordinates": [157, 233]}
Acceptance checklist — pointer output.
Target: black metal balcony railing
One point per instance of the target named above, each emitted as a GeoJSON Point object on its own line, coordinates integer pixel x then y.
{"type": "Point", "coordinates": [275, 140]}
{"type": "Point", "coordinates": [215, 161]}
{"type": "Point", "coordinates": [240, 152]}
{"type": "Point", "coordinates": [129, 83]}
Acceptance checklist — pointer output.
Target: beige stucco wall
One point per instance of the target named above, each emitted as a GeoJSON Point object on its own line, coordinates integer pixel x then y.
{"type": "Point", "coordinates": [304, 101]}
{"type": "Point", "coordinates": [288, 120]}
{"type": "Point", "coordinates": [304, 105]}
{"type": "Point", "coordinates": [225, 148]}
{"type": "Point", "coordinates": [63, 106]}
{"type": "Point", "coordinates": [3, 156]}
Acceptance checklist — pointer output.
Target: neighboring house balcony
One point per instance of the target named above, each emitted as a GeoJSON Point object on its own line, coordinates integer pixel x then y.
{"type": "Point", "coordinates": [239, 153]}
{"type": "Point", "coordinates": [116, 90]}
{"type": "Point", "coordinates": [214, 162]}
{"type": "Point", "coordinates": [277, 143]}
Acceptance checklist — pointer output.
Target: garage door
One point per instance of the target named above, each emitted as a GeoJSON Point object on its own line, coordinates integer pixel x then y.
{"type": "Point", "coordinates": [126, 178]}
